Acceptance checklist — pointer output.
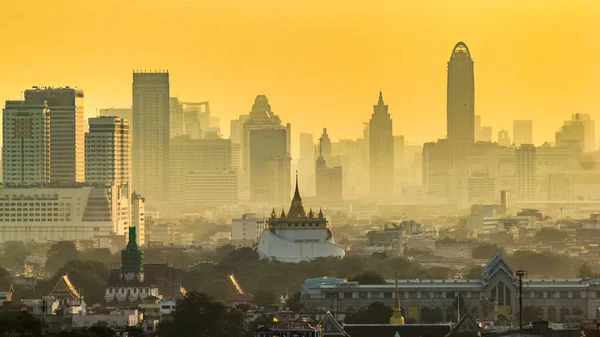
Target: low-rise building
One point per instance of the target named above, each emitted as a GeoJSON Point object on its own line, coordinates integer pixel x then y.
{"type": "Point", "coordinates": [246, 231]}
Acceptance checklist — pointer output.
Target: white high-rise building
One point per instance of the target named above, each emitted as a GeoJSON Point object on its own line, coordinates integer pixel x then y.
{"type": "Point", "coordinates": [67, 161]}
{"type": "Point", "coordinates": [26, 139]}
{"type": "Point", "coordinates": [108, 151]}
{"type": "Point", "coordinates": [138, 219]}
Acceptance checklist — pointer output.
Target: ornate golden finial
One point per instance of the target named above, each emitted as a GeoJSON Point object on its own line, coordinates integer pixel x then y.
{"type": "Point", "coordinates": [311, 214]}
{"type": "Point", "coordinates": [282, 213]}
{"type": "Point", "coordinates": [273, 214]}
{"type": "Point", "coordinates": [397, 318]}
{"type": "Point", "coordinates": [320, 213]}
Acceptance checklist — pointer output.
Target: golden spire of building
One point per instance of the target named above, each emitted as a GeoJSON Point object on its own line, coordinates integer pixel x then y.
{"type": "Point", "coordinates": [397, 318]}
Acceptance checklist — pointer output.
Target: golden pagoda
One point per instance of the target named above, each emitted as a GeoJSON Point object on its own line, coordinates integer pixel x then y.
{"type": "Point", "coordinates": [397, 318]}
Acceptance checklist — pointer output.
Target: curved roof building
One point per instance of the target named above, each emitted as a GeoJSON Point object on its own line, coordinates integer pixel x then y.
{"type": "Point", "coordinates": [461, 97]}
{"type": "Point", "coordinates": [297, 236]}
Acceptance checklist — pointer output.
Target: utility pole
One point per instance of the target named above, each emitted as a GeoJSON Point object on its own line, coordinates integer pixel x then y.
{"type": "Point", "coordinates": [520, 274]}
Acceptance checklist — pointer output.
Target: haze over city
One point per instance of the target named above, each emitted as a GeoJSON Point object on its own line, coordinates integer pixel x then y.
{"type": "Point", "coordinates": [320, 63]}
{"type": "Point", "coordinates": [299, 168]}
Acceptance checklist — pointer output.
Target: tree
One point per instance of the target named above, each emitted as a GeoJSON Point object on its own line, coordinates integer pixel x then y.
{"type": "Point", "coordinates": [14, 255]}
{"type": "Point", "coordinates": [59, 254]}
{"type": "Point", "coordinates": [548, 235]}
{"type": "Point", "coordinates": [585, 270]}
{"type": "Point", "coordinates": [485, 250]}
{"type": "Point", "coordinates": [89, 277]}
{"type": "Point", "coordinates": [19, 324]}
{"type": "Point", "coordinates": [264, 299]}
{"type": "Point", "coordinates": [474, 272]}
{"type": "Point", "coordinates": [198, 315]}
{"type": "Point", "coordinates": [375, 313]}
{"type": "Point", "coordinates": [294, 302]}
{"type": "Point", "coordinates": [368, 277]}
{"type": "Point", "coordinates": [5, 276]}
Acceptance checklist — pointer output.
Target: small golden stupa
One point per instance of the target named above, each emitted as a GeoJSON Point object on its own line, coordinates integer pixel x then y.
{"type": "Point", "coordinates": [397, 318]}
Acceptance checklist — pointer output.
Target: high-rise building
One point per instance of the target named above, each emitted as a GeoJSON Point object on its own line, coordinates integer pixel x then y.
{"type": "Point", "coordinates": [526, 172]}
{"type": "Point", "coordinates": [485, 134]}
{"type": "Point", "coordinates": [201, 174]}
{"type": "Point", "coordinates": [26, 139]}
{"type": "Point", "coordinates": [579, 131]}
{"type": "Point", "coordinates": [522, 132]}
{"type": "Point", "coordinates": [265, 174]}
{"type": "Point", "coordinates": [246, 231]}
{"type": "Point", "coordinates": [67, 161]}
{"type": "Point", "coordinates": [381, 151]}
{"type": "Point", "coordinates": [151, 132]}
{"type": "Point", "coordinates": [503, 139]}
{"type": "Point", "coordinates": [306, 163]}
{"type": "Point", "coordinates": [460, 97]}
{"type": "Point", "coordinates": [328, 179]}
{"type": "Point", "coordinates": [176, 119]}
{"type": "Point", "coordinates": [400, 168]}
{"type": "Point", "coordinates": [108, 151]}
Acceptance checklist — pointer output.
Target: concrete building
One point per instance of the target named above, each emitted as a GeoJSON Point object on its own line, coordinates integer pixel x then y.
{"type": "Point", "coordinates": [108, 151]}
{"type": "Point", "coordinates": [116, 319]}
{"type": "Point", "coordinates": [525, 170]}
{"type": "Point", "coordinates": [329, 184]}
{"type": "Point", "coordinates": [67, 146]}
{"type": "Point", "coordinates": [437, 167]}
{"type": "Point", "coordinates": [579, 131]}
{"type": "Point", "coordinates": [78, 212]}
{"type": "Point", "coordinates": [494, 296]}
{"type": "Point", "coordinates": [522, 132]}
{"type": "Point", "coordinates": [381, 151]}
{"type": "Point", "coordinates": [138, 219]}
{"type": "Point", "coordinates": [202, 175]}
{"type": "Point", "coordinates": [26, 143]}
{"type": "Point", "coordinates": [197, 119]}
{"type": "Point", "coordinates": [246, 231]}
{"type": "Point", "coordinates": [151, 132]}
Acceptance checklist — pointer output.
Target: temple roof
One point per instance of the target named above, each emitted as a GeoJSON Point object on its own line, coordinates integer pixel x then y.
{"type": "Point", "coordinates": [297, 208]}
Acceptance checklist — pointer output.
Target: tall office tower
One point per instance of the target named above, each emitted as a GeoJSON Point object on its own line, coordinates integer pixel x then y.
{"type": "Point", "coordinates": [579, 131]}
{"type": "Point", "coordinates": [460, 97]}
{"type": "Point", "coordinates": [176, 119]}
{"type": "Point", "coordinates": [108, 151]}
{"type": "Point", "coordinates": [325, 144]}
{"type": "Point", "coordinates": [328, 179]}
{"type": "Point", "coordinates": [503, 139]}
{"type": "Point", "coordinates": [201, 175]}
{"type": "Point", "coordinates": [138, 219]}
{"type": "Point", "coordinates": [125, 113]}
{"type": "Point", "coordinates": [67, 161]}
{"type": "Point", "coordinates": [306, 164]}
{"type": "Point", "coordinates": [265, 148]}
{"type": "Point", "coordinates": [522, 132]}
{"type": "Point", "coordinates": [150, 146]}
{"type": "Point", "coordinates": [381, 151]}
{"type": "Point", "coordinates": [197, 118]}
{"type": "Point", "coordinates": [26, 139]}
{"type": "Point", "coordinates": [437, 171]}
{"type": "Point", "coordinates": [525, 170]}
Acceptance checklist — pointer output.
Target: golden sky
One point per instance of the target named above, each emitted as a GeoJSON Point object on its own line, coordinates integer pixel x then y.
{"type": "Point", "coordinates": [321, 63]}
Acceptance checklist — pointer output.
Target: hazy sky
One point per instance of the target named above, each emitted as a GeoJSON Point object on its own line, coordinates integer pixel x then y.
{"type": "Point", "coordinates": [320, 63]}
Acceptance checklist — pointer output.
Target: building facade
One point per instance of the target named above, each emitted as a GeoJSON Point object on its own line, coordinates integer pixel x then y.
{"type": "Point", "coordinates": [460, 97]}
{"type": "Point", "coordinates": [526, 166]}
{"type": "Point", "coordinates": [67, 161]}
{"type": "Point", "coordinates": [26, 143]}
{"type": "Point", "coordinates": [246, 231]}
{"type": "Point", "coordinates": [151, 132]}
{"type": "Point", "coordinates": [381, 151]}
{"type": "Point", "coordinates": [108, 151]}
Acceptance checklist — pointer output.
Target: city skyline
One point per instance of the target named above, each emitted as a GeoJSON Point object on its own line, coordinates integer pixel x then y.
{"type": "Point", "coordinates": [508, 88]}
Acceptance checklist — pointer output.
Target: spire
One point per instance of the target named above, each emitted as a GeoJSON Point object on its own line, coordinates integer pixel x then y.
{"type": "Point", "coordinates": [273, 214]}
{"type": "Point", "coordinates": [380, 97]}
{"type": "Point", "coordinates": [397, 318]}
{"type": "Point", "coordinates": [320, 213]}
{"type": "Point", "coordinates": [297, 208]}
{"type": "Point", "coordinates": [311, 214]}
{"type": "Point", "coordinates": [282, 213]}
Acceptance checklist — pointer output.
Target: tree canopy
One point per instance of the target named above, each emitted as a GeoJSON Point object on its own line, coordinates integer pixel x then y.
{"type": "Point", "coordinates": [375, 313]}
{"type": "Point", "coordinates": [368, 277]}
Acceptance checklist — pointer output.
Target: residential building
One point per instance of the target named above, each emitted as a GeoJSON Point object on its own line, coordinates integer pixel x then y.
{"type": "Point", "coordinates": [67, 161]}
{"type": "Point", "coordinates": [138, 219]}
{"type": "Point", "coordinates": [108, 151]}
{"type": "Point", "coordinates": [246, 231]}
{"type": "Point", "coordinates": [26, 143]}
{"type": "Point", "coordinates": [526, 166]}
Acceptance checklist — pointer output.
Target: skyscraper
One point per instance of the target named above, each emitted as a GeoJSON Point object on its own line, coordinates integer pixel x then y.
{"type": "Point", "coordinates": [328, 179]}
{"type": "Point", "coordinates": [381, 151]}
{"type": "Point", "coordinates": [526, 172]}
{"type": "Point", "coordinates": [67, 146]}
{"type": "Point", "coordinates": [150, 147]}
{"type": "Point", "coordinates": [460, 97]}
{"type": "Point", "coordinates": [108, 151]}
{"type": "Point", "coordinates": [522, 132]}
{"type": "Point", "coordinates": [503, 139]}
{"type": "Point", "coordinates": [26, 139]}
{"type": "Point", "coordinates": [579, 131]}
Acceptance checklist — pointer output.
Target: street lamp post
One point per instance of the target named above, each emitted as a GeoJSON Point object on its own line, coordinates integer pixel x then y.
{"type": "Point", "coordinates": [520, 274]}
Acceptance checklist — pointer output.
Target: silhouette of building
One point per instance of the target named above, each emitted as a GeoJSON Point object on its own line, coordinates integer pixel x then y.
{"type": "Point", "coordinates": [526, 172]}
{"type": "Point", "coordinates": [67, 146]}
{"type": "Point", "coordinates": [522, 132]}
{"type": "Point", "coordinates": [108, 151]}
{"type": "Point", "coordinates": [265, 171]}
{"type": "Point", "coordinates": [26, 142]}
{"type": "Point", "coordinates": [328, 179]}
{"type": "Point", "coordinates": [400, 169]}
{"type": "Point", "coordinates": [125, 113]}
{"type": "Point", "coordinates": [579, 131]}
{"type": "Point", "coordinates": [460, 97]}
{"type": "Point", "coordinates": [503, 139]}
{"type": "Point", "coordinates": [201, 175]}
{"type": "Point", "coordinates": [138, 218]}
{"type": "Point", "coordinates": [151, 133]}
{"type": "Point", "coordinates": [381, 151]}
